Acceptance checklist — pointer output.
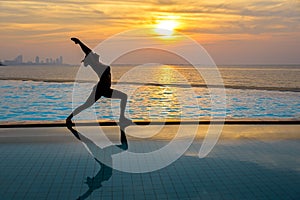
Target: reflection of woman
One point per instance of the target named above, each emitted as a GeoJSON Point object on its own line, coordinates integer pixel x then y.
{"type": "Point", "coordinates": [103, 158]}
{"type": "Point", "coordinates": [103, 87]}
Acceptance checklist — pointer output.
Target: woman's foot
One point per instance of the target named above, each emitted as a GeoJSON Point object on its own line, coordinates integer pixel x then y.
{"type": "Point", "coordinates": [125, 122]}
{"type": "Point", "coordinates": [69, 122]}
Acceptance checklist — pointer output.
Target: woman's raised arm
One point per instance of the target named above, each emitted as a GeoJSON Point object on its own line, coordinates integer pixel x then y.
{"type": "Point", "coordinates": [84, 48]}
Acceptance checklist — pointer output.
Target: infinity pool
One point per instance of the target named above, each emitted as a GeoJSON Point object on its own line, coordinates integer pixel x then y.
{"type": "Point", "coordinates": [33, 100]}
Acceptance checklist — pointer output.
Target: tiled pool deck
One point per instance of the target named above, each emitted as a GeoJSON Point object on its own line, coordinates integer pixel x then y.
{"type": "Point", "coordinates": [49, 163]}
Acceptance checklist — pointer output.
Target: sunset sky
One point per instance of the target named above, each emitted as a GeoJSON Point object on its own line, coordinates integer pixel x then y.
{"type": "Point", "coordinates": [233, 32]}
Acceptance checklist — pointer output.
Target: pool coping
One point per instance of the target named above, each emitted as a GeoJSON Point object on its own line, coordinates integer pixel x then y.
{"type": "Point", "coordinates": [62, 123]}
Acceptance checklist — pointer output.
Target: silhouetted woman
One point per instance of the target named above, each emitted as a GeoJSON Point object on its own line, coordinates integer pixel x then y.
{"type": "Point", "coordinates": [102, 88]}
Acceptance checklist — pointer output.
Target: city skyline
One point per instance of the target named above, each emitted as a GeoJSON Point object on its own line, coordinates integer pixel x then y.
{"type": "Point", "coordinates": [18, 60]}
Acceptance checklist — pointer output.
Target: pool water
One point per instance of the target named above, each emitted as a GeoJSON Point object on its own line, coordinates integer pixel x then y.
{"type": "Point", "coordinates": [33, 100]}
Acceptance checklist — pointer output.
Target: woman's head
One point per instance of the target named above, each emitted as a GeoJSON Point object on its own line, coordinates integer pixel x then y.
{"type": "Point", "coordinates": [91, 59]}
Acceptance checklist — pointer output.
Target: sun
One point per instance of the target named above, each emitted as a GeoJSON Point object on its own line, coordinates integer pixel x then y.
{"type": "Point", "coordinates": [166, 27]}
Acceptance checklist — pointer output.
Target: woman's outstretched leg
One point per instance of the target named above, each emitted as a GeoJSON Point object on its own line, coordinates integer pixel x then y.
{"type": "Point", "coordinates": [79, 109]}
{"type": "Point", "coordinates": [116, 94]}
{"type": "Point", "coordinates": [88, 103]}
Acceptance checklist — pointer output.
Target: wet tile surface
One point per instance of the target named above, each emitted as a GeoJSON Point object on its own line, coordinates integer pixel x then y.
{"type": "Point", "coordinates": [235, 169]}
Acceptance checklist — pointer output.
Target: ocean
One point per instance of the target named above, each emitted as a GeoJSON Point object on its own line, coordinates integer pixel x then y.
{"type": "Point", "coordinates": [47, 93]}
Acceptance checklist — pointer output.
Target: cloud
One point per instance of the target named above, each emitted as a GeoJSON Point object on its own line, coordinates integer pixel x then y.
{"type": "Point", "coordinates": [59, 12]}
{"type": "Point", "coordinates": [248, 17]}
{"type": "Point", "coordinates": [165, 2]}
{"type": "Point", "coordinates": [214, 21]}
{"type": "Point", "coordinates": [244, 8]}
{"type": "Point", "coordinates": [215, 16]}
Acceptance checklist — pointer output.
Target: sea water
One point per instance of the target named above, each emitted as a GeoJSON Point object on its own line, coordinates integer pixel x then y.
{"type": "Point", "coordinates": [38, 93]}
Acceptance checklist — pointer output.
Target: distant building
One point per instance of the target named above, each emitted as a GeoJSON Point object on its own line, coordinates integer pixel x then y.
{"type": "Point", "coordinates": [17, 61]}
{"type": "Point", "coordinates": [37, 60]}
{"type": "Point", "coordinates": [60, 60]}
